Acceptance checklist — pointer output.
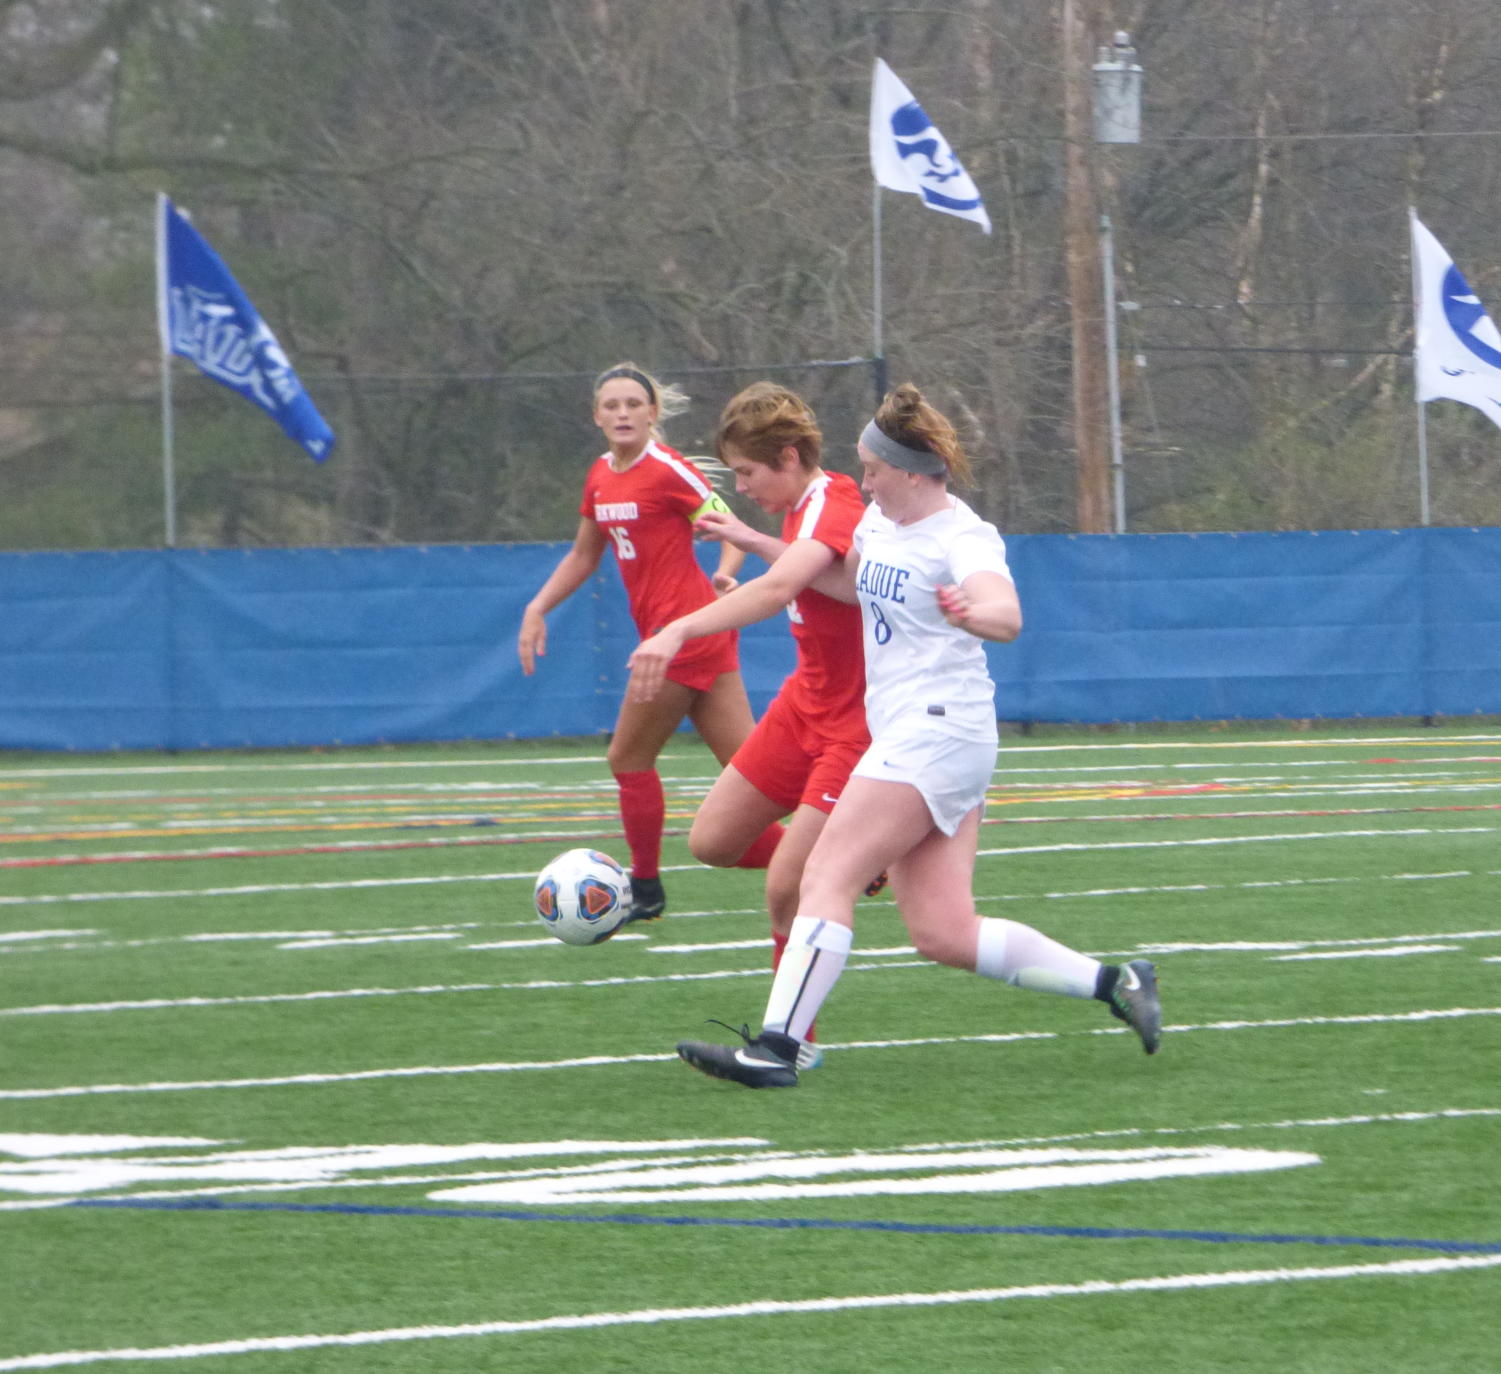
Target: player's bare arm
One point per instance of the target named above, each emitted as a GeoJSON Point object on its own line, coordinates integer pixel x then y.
{"type": "Point", "coordinates": [985, 605]}
{"type": "Point", "coordinates": [578, 566]}
{"type": "Point", "coordinates": [755, 600]}
{"type": "Point", "coordinates": [838, 579]}
{"type": "Point", "coordinates": [732, 532]}
{"type": "Point", "coordinates": [727, 575]}
{"type": "Point", "coordinates": [731, 555]}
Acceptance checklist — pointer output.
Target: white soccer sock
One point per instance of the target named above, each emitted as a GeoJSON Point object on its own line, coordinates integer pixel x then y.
{"type": "Point", "coordinates": [1026, 958]}
{"type": "Point", "coordinates": [811, 965]}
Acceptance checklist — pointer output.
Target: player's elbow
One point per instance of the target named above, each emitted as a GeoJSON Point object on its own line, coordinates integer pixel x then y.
{"type": "Point", "coordinates": [999, 621]}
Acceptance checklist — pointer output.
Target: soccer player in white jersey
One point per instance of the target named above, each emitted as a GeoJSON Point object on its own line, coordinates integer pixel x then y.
{"type": "Point", "coordinates": [932, 583]}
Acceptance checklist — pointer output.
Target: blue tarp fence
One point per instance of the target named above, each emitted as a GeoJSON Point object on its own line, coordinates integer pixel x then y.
{"type": "Point", "coordinates": [200, 649]}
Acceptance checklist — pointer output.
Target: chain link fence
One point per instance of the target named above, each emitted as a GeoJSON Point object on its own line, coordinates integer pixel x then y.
{"type": "Point", "coordinates": [1215, 437]}
{"type": "Point", "coordinates": [418, 459]}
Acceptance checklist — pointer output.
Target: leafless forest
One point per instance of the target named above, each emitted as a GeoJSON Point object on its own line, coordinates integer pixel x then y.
{"type": "Point", "coordinates": [454, 212]}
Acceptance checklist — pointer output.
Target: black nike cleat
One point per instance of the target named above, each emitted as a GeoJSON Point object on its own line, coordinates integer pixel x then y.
{"type": "Point", "coordinates": [1134, 1000]}
{"type": "Point", "coordinates": [648, 900]}
{"type": "Point", "coordinates": [768, 1060]}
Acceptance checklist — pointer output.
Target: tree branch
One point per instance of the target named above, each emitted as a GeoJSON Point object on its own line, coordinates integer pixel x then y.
{"type": "Point", "coordinates": [30, 73]}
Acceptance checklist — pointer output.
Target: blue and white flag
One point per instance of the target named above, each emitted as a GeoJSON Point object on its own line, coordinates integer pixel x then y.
{"type": "Point", "coordinates": [908, 153]}
{"type": "Point", "coordinates": [1456, 348]}
{"type": "Point", "coordinates": [203, 315]}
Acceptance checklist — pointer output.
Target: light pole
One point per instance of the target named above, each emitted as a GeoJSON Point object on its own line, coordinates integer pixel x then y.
{"type": "Point", "coordinates": [1113, 374]}
{"type": "Point", "coordinates": [1117, 119]}
{"type": "Point", "coordinates": [1117, 92]}
{"type": "Point", "coordinates": [1082, 271]}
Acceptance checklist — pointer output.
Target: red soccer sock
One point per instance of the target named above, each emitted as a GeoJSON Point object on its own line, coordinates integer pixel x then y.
{"type": "Point", "coordinates": [643, 810]}
{"type": "Point", "coordinates": [762, 848]}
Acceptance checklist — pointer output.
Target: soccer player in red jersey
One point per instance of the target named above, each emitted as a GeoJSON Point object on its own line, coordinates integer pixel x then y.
{"type": "Point", "coordinates": [640, 499]}
{"type": "Point", "coordinates": [799, 757]}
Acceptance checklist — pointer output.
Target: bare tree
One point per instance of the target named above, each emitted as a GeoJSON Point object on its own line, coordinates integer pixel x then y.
{"type": "Point", "coordinates": [454, 213]}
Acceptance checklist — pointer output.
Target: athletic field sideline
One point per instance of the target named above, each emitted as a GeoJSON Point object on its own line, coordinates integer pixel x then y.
{"type": "Point", "coordinates": [293, 1079]}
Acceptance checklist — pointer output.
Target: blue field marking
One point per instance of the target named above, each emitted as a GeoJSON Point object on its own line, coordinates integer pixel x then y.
{"type": "Point", "coordinates": [201, 1204]}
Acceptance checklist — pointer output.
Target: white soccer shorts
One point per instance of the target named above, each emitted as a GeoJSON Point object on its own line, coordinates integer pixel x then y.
{"type": "Point", "coordinates": [950, 773]}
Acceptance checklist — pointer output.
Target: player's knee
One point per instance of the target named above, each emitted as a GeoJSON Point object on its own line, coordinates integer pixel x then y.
{"type": "Point", "coordinates": [625, 758]}
{"type": "Point", "coordinates": [781, 901]}
{"type": "Point", "coordinates": [810, 893]}
{"type": "Point", "coordinates": [822, 889]}
{"type": "Point", "coordinates": [943, 946]}
{"type": "Point", "coordinates": [711, 845]}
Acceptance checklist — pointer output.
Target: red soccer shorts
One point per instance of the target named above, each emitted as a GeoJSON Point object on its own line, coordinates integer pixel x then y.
{"type": "Point", "coordinates": [703, 661]}
{"type": "Point", "coordinates": [794, 763]}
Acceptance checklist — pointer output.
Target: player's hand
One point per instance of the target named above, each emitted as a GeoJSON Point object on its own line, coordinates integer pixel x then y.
{"type": "Point", "coordinates": [531, 642]}
{"type": "Point", "coordinates": [723, 528]}
{"type": "Point", "coordinates": [955, 604]}
{"type": "Point", "coordinates": [648, 664]}
{"type": "Point", "coordinates": [724, 582]}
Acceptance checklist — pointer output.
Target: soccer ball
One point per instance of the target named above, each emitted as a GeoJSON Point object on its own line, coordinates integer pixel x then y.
{"type": "Point", "coordinates": [582, 896]}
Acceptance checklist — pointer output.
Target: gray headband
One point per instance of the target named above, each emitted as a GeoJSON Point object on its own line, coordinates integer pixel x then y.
{"type": "Point", "coordinates": [922, 461]}
{"type": "Point", "coordinates": [633, 375]}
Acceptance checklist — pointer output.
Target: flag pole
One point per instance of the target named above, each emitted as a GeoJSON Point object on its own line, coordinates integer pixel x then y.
{"type": "Point", "coordinates": [163, 317]}
{"type": "Point", "coordinates": [1412, 239]}
{"type": "Point", "coordinates": [169, 493]}
{"type": "Point", "coordinates": [878, 339]}
{"type": "Point", "coordinates": [1423, 462]}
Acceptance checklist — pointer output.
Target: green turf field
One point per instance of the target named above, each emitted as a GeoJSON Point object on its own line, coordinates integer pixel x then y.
{"type": "Point", "coordinates": [293, 1080]}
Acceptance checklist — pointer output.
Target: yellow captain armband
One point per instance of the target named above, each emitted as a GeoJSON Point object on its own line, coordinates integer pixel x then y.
{"type": "Point", "coordinates": [715, 503]}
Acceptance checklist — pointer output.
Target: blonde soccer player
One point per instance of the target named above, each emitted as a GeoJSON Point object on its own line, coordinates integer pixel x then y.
{"type": "Point", "coordinates": [640, 500]}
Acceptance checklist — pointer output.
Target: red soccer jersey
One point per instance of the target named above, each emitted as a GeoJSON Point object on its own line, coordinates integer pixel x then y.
{"type": "Point", "coordinates": [828, 685]}
{"type": "Point", "coordinates": [646, 512]}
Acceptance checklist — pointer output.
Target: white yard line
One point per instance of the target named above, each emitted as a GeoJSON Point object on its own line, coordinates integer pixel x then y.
{"type": "Point", "coordinates": [409, 1180]}
{"type": "Point", "coordinates": [175, 770]}
{"type": "Point", "coordinates": [1009, 746]}
{"type": "Point", "coordinates": [1389, 952]}
{"type": "Point", "coordinates": [1252, 946]}
{"type": "Point", "coordinates": [1211, 841]}
{"type": "Point", "coordinates": [242, 1000]}
{"type": "Point", "coordinates": [345, 941]}
{"type": "Point", "coordinates": [613, 1060]}
{"type": "Point", "coordinates": [334, 994]}
{"type": "Point", "coordinates": [655, 1316]}
{"type": "Point", "coordinates": [258, 889]}
{"type": "Point", "coordinates": [304, 791]}
{"type": "Point", "coordinates": [894, 956]}
{"type": "Point", "coordinates": [532, 803]}
{"type": "Point", "coordinates": [323, 816]}
{"type": "Point", "coordinates": [74, 938]}
{"type": "Point", "coordinates": [294, 822]}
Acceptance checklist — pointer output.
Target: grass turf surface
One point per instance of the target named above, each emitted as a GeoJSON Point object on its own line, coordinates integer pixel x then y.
{"type": "Point", "coordinates": [305, 953]}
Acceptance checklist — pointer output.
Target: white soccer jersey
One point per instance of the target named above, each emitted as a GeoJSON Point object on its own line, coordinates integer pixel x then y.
{"type": "Point", "coordinates": [918, 667]}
